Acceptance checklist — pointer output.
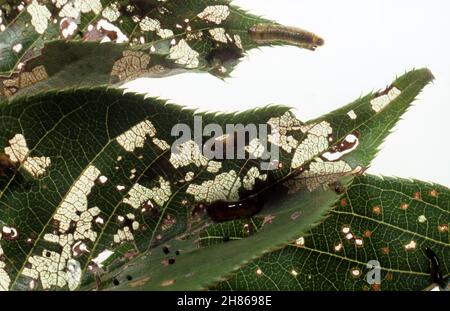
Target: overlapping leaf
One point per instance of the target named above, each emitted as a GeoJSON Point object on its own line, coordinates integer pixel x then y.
{"type": "Point", "coordinates": [194, 266]}
{"type": "Point", "coordinates": [385, 220]}
{"type": "Point", "coordinates": [149, 38]}
{"type": "Point", "coordinates": [370, 125]}
{"type": "Point", "coordinates": [96, 170]}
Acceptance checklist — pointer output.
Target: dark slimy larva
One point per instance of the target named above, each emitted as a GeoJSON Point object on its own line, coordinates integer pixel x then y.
{"type": "Point", "coordinates": [7, 167]}
{"type": "Point", "coordinates": [224, 211]}
{"type": "Point", "coordinates": [267, 33]}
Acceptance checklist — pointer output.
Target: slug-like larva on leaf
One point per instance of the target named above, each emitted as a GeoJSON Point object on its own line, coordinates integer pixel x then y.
{"type": "Point", "coordinates": [267, 33]}
{"type": "Point", "coordinates": [7, 167]}
{"type": "Point", "coordinates": [225, 211]}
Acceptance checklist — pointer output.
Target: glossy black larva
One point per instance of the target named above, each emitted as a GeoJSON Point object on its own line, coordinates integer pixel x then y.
{"type": "Point", "coordinates": [7, 167]}
{"type": "Point", "coordinates": [225, 211]}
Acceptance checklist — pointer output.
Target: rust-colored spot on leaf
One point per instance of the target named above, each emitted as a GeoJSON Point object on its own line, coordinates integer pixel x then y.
{"type": "Point", "coordinates": [139, 283]}
{"type": "Point", "coordinates": [344, 202]}
{"type": "Point", "coordinates": [377, 210]}
{"type": "Point", "coordinates": [385, 250]}
{"type": "Point", "coordinates": [433, 193]}
{"type": "Point", "coordinates": [168, 223]}
{"type": "Point", "coordinates": [404, 206]}
{"type": "Point", "coordinates": [443, 228]}
{"type": "Point", "coordinates": [130, 254]}
{"type": "Point", "coordinates": [367, 234]}
{"type": "Point", "coordinates": [376, 287]}
{"type": "Point", "coordinates": [167, 283]}
{"type": "Point", "coordinates": [268, 220]}
{"type": "Point", "coordinates": [417, 195]}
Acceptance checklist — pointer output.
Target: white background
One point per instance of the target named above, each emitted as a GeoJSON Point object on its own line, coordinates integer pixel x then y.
{"type": "Point", "coordinates": [368, 43]}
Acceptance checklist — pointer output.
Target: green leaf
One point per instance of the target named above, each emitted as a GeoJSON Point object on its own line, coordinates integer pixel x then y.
{"type": "Point", "coordinates": [46, 47]}
{"type": "Point", "coordinates": [359, 128]}
{"type": "Point", "coordinates": [388, 220]}
{"type": "Point", "coordinates": [374, 126]}
{"type": "Point", "coordinates": [150, 276]}
{"type": "Point", "coordinates": [94, 166]}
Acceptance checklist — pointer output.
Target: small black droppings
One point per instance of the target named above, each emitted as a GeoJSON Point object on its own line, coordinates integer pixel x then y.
{"type": "Point", "coordinates": [177, 252]}
{"type": "Point", "coordinates": [48, 254]}
{"type": "Point", "coordinates": [171, 261]}
{"type": "Point", "coordinates": [7, 167]}
{"type": "Point", "coordinates": [116, 282]}
{"type": "Point", "coordinates": [166, 250]}
{"type": "Point", "coordinates": [129, 277]}
{"type": "Point", "coordinates": [226, 238]}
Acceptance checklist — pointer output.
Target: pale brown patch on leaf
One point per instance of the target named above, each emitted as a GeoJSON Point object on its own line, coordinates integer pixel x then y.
{"type": "Point", "coordinates": [139, 283]}
{"type": "Point", "coordinates": [417, 195]}
{"type": "Point", "coordinates": [23, 80]}
{"type": "Point", "coordinates": [168, 283]}
{"type": "Point", "coordinates": [367, 234]}
{"type": "Point", "coordinates": [376, 287]}
{"type": "Point", "coordinates": [443, 228]}
{"type": "Point", "coordinates": [404, 206]}
{"type": "Point", "coordinates": [385, 250]}
{"type": "Point", "coordinates": [433, 193]}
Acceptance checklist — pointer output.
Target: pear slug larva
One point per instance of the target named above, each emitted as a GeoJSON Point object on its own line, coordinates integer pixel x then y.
{"type": "Point", "coordinates": [266, 33]}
